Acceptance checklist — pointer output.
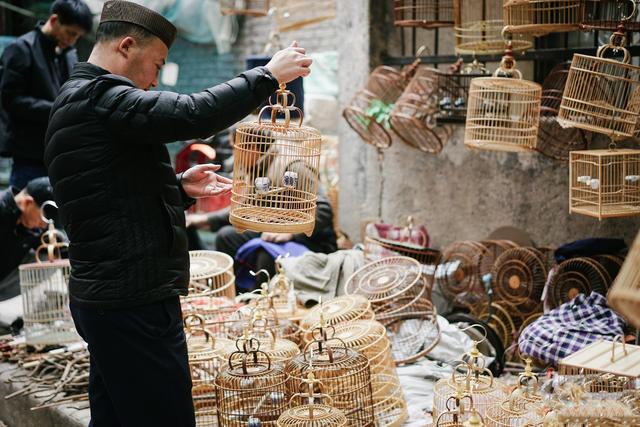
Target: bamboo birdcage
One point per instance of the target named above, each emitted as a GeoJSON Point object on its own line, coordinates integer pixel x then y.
{"type": "Point", "coordinates": [344, 373]}
{"type": "Point", "coordinates": [553, 88]}
{"type": "Point", "coordinates": [211, 274]}
{"type": "Point", "coordinates": [603, 95]}
{"type": "Point", "coordinates": [575, 276]}
{"type": "Point", "coordinates": [251, 390]}
{"type": "Point", "coordinates": [275, 173]}
{"type": "Point", "coordinates": [423, 13]}
{"type": "Point", "coordinates": [244, 7]}
{"type": "Point", "coordinates": [376, 248]}
{"type": "Point", "coordinates": [459, 272]}
{"type": "Point", "coordinates": [478, 28]}
{"type": "Point", "coordinates": [295, 14]}
{"type": "Point", "coordinates": [498, 317]}
{"type": "Point", "coordinates": [606, 14]}
{"type": "Point", "coordinates": [605, 357]}
{"type": "Point", "coordinates": [342, 309]}
{"type": "Point", "coordinates": [312, 414]}
{"type": "Point", "coordinates": [413, 117]}
{"type": "Point", "coordinates": [370, 338]}
{"type": "Point", "coordinates": [503, 113]}
{"type": "Point", "coordinates": [219, 313]}
{"type": "Point", "coordinates": [540, 17]}
{"type": "Point", "coordinates": [453, 88]}
{"type": "Point", "coordinates": [283, 295]}
{"type": "Point", "coordinates": [454, 419]}
{"type": "Point", "coordinates": [492, 250]}
{"type": "Point", "coordinates": [624, 295]}
{"type": "Point", "coordinates": [605, 183]}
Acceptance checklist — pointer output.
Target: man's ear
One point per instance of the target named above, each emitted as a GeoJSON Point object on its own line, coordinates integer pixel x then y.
{"type": "Point", "coordinates": [54, 19]}
{"type": "Point", "coordinates": [125, 45]}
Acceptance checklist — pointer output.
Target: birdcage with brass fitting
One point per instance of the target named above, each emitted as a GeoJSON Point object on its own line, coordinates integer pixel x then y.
{"type": "Point", "coordinates": [244, 7]}
{"type": "Point", "coordinates": [370, 338]}
{"type": "Point", "coordinates": [296, 14]}
{"type": "Point", "coordinates": [504, 110]}
{"type": "Point", "coordinates": [605, 183]}
{"type": "Point", "coordinates": [540, 17]}
{"type": "Point", "coordinates": [602, 95]}
{"type": "Point", "coordinates": [337, 310]}
{"type": "Point", "coordinates": [211, 274]}
{"type": "Point", "coordinates": [44, 290]}
{"type": "Point", "coordinates": [344, 373]}
{"type": "Point", "coordinates": [317, 412]}
{"type": "Point", "coordinates": [250, 389]}
{"type": "Point", "coordinates": [219, 313]}
{"type": "Point", "coordinates": [283, 294]}
{"type": "Point", "coordinates": [606, 14]}
{"type": "Point", "coordinates": [478, 28]}
{"type": "Point", "coordinates": [275, 172]}
{"type": "Point", "coordinates": [459, 409]}
{"type": "Point", "coordinates": [625, 292]}
{"type": "Point", "coordinates": [474, 379]}
{"type": "Point", "coordinates": [453, 88]}
{"type": "Point", "coordinates": [423, 13]}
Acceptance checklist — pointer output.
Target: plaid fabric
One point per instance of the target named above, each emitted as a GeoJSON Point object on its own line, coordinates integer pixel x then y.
{"type": "Point", "coordinates": [570, 327]}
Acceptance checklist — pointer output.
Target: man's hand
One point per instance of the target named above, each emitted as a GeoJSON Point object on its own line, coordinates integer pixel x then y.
{"type": "Point", "coordinates": [202, 181]}
{"type": "Point", "coordinates": [290, 63]}
{"type": "Point", "coordinates": [197, 220]}
{"type": "Point", "coordinates": [277, 237]}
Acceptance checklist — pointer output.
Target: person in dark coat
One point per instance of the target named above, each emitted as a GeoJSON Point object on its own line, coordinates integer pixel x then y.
{"type": "Point", "coordinates": [21, 225]}
{"type": "Point", "coordinates": [32, 69]}
{"type": "Point", "coordinates": [123, 207]}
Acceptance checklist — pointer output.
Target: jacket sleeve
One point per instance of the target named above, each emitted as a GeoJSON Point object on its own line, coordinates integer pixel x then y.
{"type": "Point", "coordinates": [163, 117]}
{"type": "Point", "coordinates": [16, 65]}
{"type": "Point", "coordinates": [187, 201]}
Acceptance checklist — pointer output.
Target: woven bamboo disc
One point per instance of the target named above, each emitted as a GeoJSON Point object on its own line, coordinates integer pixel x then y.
{"type": "Point", "coordinates": [342, 309]}
{"type": "Point", "coordinates": [519, 276]}
{"type": "Point", "coordinates": [575, 276]}
{"type": "Point", "coordinates": [606, 15]}
{"type": "Point", "coordinates": [423, 13]}
{"type": "Point", "coordinates": [296, 14]}
{"type": "Point", "coordinates": [540, 17]}
{"type": "Point", "coordinates": [625, 293]}
{"type": "Point", "coordinates": [244, 7]}
{"type": "Point", "coordinates": [557, 142]}
{"type": "Point", "coordinates": [493, 249]}
{"type": "Point", "coordinates": [211, 274]}
{"type": "Point", "coordinates": [603, 95]}
{"type": "Point", "coordinates": [323, 416]}
{"type": "Point", "coordinates": [459, 272]}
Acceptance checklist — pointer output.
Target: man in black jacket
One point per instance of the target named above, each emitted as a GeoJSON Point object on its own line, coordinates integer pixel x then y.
{"type": "Point", "coordinates": [123, 207]}
{"type": "Point", "coordinates": [32, 70]}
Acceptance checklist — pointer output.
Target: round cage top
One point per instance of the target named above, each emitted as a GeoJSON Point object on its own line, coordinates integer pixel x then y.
{"type": "Point", "coordinates": [329, 358]}
{"type": "Point", "coordinates": [323, 415]}
{"type": "Point", "coordinates": [248, 361]}
{"type": "Point", "coordinates": [385, 279]}
{"type": "Point", "coordinates": [205, 264]}
{"type": "Point", "coordinates": [361, 333]}
{"type": "Point", "coordinates": [341, 309]}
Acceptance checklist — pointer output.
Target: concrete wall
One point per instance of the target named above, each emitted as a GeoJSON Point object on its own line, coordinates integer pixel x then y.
{"type": "Point", "coordinates": [458, 194]}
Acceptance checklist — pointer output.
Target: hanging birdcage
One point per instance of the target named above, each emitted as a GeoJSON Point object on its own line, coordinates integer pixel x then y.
{"type": "Point", "coordinates": [211, 274]}
{"type": "Point", "coordinates": [625, 292]}
{"type": "Point", "coordinates": [605, 183]}
{"type": "Point", "coordinates": [413, 117]}
{"type": "Point", "coordinates": [556, 142]}
{"type": "Point", "coordinates": [606, 14]}
{"type": "Point", "coordinates": [344, 373]}
{"type": "Point", "coordinates": [423, 13]}
{"type": "Point", "coordinates": [244, 7]}
{"type": "Point", "coordinates": [478, 28]}
{"type": "Point", "coordinates": [603, 95]}
{"type": "Point", "coordinates": [275, 173]}
{"type": "Point", "coordinates": [576, 276]}
{"type": "Point", "coordinates": [503, 113]}
{"type": "Point", "coordinates": [453, 89]}
{"type": "Point", "coordinates": [370, 338]}
{"type": "Point", "coordinates": [540, 17]}
{"type": "Point", "coordinates": [251, 390]}
{"type": "Point", "coordinates": [296, 14]}
{"type": "Point", "coordinates": [312, 414]}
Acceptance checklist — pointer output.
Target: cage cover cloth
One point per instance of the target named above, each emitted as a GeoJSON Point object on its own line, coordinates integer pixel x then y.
{"type": "Point", "coordinates": [570, 327]}
{"type": "Point", "coordinates": [589, 247]}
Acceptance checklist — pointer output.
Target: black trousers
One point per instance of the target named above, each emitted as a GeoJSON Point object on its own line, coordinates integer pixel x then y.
{"type": "Point", "coordinates": [139, 373]}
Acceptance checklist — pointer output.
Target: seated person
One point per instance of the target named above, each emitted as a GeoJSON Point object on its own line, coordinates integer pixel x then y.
{"type": "Point", "coordinates": [20, 228]}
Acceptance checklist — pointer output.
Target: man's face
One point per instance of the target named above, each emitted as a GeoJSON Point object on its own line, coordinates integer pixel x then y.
{"type": "Point", "coordinates": [65, 35]}
{"type": "Point", "coordinates": [144, 62]}
{"type": "Point", "coordinates": [30, 217]}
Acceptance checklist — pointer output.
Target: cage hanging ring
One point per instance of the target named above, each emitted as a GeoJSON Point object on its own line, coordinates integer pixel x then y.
{"type": "Point", "coordinates": [42, 215]}
{"type": "Point", "coordinates": [632, 14]}
{"type": "Point", "coordinates": [602, 49]}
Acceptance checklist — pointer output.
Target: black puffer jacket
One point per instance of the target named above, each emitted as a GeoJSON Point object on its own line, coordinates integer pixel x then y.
{"type": "Point", "coordinates": [118, 196]}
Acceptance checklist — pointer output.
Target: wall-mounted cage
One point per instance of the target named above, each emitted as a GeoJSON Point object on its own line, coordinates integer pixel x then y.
{"type": "Point", "coordinates": [275, 173]}
{"type": "Point", "coordinates": [250, 390]}
{"type": "Point", "coordinates": [605, 183]}
{"type": "Point", "coordinates": [540, 17]}
{"type": "Point", "coordinates": [423, 13]}
{"type": "Point", "coordinates": [453, 89]}
{"type": "Point", "coordinates": [413, 117]}
{"type": "Point", "coordinates": [478, 28]}
{"type": "Point", "coordinates": [625, 293]}
{"type": "Point", "coordinates": [503, 113]}
{"type": "Point", "coordinates": [370, 338]}
{"type": "Point", "coordinates": [607, 14]}
{"type": "Point", "coordinates": [296, 14]}
{"type": "Point", "coordinates": [603, 95]}
{"type": "Point", "coordinates": [211, 274]}
{"type": "Point", "coordinates": [576, 276]}
{"type": "Point", "coordinates": [244, 7]}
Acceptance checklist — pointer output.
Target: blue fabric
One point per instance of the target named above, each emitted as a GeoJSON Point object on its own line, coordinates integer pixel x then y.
{"type": "Point", "coordinates": [589, 247]}
{"type": "Point", "coordinates": [246, 256]}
